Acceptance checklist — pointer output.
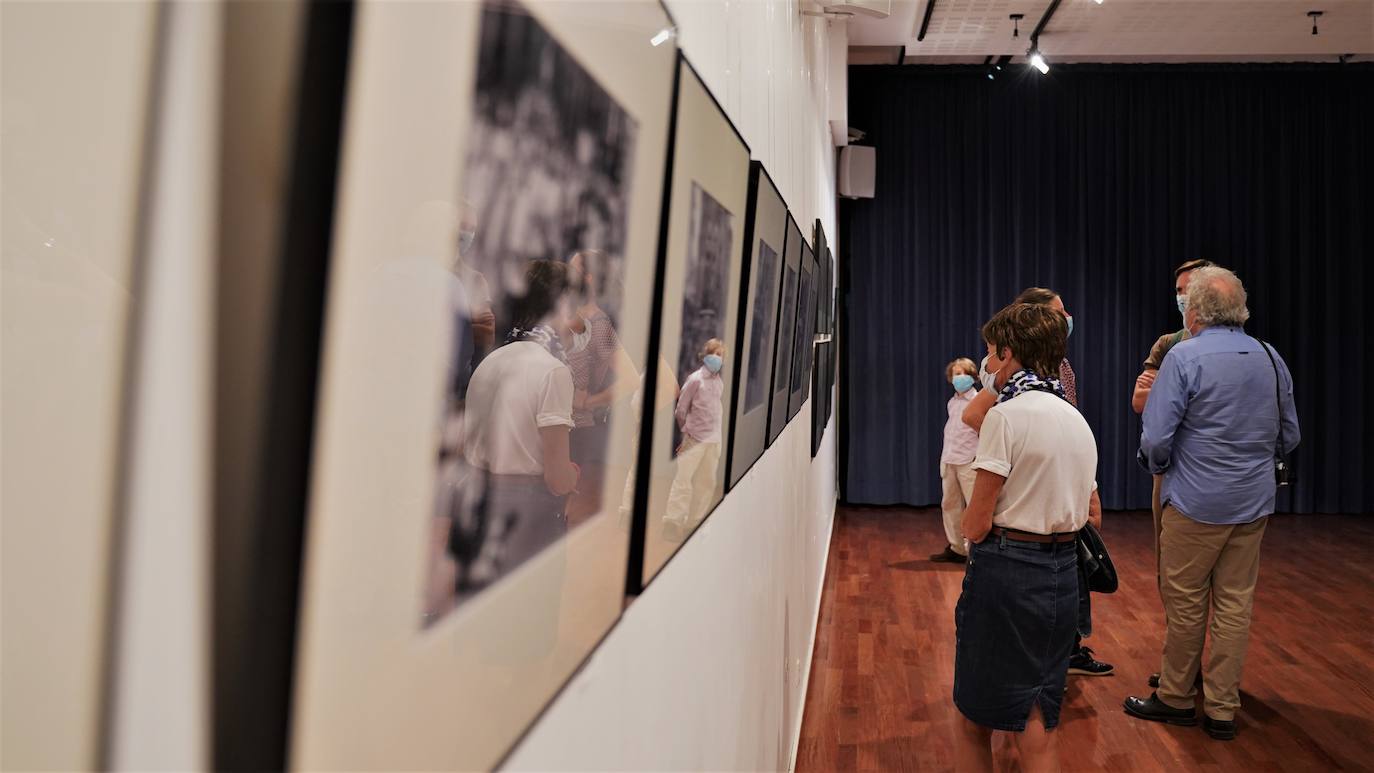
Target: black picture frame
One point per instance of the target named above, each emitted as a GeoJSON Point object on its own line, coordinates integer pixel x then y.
{"type": "Point", "coordinates": [783, 348]}
{"type": "Point", "coordinates": [804, 335]}
{"type": "Point", "coordinates": [765, 240]}
{"type": "Point", "coordinates": [708, 169]}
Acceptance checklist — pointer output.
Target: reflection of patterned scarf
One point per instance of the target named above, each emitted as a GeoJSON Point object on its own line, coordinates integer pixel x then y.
{"type": "Point", "coordinates": [1023, 381]}
{"type": "Point", "coordinates": [542, 335]}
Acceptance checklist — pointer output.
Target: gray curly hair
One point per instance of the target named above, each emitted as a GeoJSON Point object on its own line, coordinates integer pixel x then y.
{"type": "Point", "coordinates": [1217, 297]}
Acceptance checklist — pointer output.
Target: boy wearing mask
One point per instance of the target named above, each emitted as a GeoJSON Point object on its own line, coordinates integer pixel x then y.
{"type": "Point", "coordinates": [956, 460]}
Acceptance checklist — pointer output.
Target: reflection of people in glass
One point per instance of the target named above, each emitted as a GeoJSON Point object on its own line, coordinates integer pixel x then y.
{"type": "Point", "coordinates": [602, 373]}
{"type": "Point", "coordinates": [698, 417]}
{"type": "Point", "coordinates": [517, 418]}
{"type": "Point", "coordinates": [475, 285]}
{"type": "Point", "coordinates": [665, 394]}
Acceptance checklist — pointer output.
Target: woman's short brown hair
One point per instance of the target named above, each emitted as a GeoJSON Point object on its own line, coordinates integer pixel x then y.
{"type": "Point", "coordinates": [1035, 334]}
{"type": "Point", "coordinates": [1042, 296]}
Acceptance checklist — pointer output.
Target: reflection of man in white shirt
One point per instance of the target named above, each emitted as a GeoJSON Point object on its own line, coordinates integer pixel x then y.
{"type": "Point", "coordinates": [517, 418]}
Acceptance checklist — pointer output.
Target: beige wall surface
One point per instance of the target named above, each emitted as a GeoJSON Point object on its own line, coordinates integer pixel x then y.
{"type": "Point", "coordinates": [74, 80]}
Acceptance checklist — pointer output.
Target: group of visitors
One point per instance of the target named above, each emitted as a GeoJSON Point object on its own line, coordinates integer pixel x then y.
{"type": "Point", "coordinates": [1018, 471]}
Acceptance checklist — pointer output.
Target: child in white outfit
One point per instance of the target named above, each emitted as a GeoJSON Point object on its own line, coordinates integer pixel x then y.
{"type": "Point", "coordinates": [956, 461]}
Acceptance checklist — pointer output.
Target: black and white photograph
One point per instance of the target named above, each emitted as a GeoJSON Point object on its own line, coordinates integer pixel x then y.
{"type": "Point", "coordinates": [782, 361]}
{"type": "Point", "coordinates": [761, 329]}
{"type": "Point", "coordinates": [703, 291]}
{"type": "Point", "coordinates": [803, 335]}
{"type": "Point", "coordinates": [536, 289]}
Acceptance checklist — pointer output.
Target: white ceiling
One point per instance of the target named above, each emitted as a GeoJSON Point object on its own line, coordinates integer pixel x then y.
{"type": "Point", "coordinates": [1127, 30]}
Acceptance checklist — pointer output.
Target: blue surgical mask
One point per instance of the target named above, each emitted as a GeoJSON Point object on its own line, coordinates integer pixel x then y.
{"type": "Point", "coordinates": [713, 362]}
{"type": "Point", "coordinates": [963, 382]}
{"type": "Point", "coordinates": [1182, 301]}
{"type": "Point", "coordinates": [465, 240]}
{"type": "Point", "coordinates": [1070, 321]}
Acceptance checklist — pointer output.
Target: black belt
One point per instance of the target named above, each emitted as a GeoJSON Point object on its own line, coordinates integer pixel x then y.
{"type": "Point", "coordinates": [1027, 536]}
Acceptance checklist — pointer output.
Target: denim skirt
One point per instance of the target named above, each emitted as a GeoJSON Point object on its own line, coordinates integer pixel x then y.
{"type": "Point", "coordinates": [1014, 628]}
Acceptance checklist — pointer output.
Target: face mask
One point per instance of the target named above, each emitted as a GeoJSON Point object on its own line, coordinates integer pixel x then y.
{"type": "Point", "coordinates": [1182, 301]}
{"type": "Point", "coordinates": [1070, 321]}
{"type": "Point", "coordinates": [963, 382]}
{"type": "Point", "coordinates": [713, 362]}
{"type": "Point", "coordinates": [465, 240]}
{"type": "Point", "coordinates": [989, 379]}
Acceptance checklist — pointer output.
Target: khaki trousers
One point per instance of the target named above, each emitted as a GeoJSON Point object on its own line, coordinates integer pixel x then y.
{"type": "Point", "coordinates": [693, 483]}
{"type": "Point", "coordinates": [1204, 565]}
{"type": "Point", "coordinates": [957, 483]}
{"type": "Point", "coordinates": [1157, 508]}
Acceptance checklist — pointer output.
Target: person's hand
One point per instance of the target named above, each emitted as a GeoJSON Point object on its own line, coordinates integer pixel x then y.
{"type": "Point", "coordinates": [1146, 379]}
{"type": "Point", "coordinates": [1096, 520]}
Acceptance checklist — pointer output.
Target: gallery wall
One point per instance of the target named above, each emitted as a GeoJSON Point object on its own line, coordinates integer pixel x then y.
{"type": "Point", "coordinates": [707, 668]}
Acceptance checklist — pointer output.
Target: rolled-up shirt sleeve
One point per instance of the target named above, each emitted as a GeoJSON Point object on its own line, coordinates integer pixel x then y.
{"type": "Point", "coordinates": [1163, 413]}
{"type": "Point", "coordinates": [555, 399]}
{"type": "Point", "coordinates": [994, 445]}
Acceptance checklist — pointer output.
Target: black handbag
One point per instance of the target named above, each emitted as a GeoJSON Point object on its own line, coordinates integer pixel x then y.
{"type": "Point", "coordinates": [1095, 562]}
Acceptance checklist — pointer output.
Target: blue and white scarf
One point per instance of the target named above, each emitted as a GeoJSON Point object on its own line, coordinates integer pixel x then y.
{"type": "Point", "coordinates": [542, 335]}
{"type": "Point", "coordinates": [1023, 381]}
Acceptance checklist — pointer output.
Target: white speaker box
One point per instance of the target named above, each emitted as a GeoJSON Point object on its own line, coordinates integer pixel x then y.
{"type": "Point", "coordinates": [857, 166]}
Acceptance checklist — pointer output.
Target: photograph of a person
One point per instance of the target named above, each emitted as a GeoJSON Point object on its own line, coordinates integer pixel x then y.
{"type": "Point", "coordinates": [761, 327]}
{"type": "Point", "coordinates": [535, 360]}
{"type": "Point", "coordinates": [704, 287]}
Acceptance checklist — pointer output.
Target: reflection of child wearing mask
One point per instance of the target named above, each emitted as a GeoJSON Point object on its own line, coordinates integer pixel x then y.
{"type": "Point", "coordinates": [698, 416]}
{"type": "Point", "coordinates": [956, 461]}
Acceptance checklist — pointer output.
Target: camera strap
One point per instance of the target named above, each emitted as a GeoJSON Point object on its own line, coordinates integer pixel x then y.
{"type": "Point", "coordinates": [1278, 401]}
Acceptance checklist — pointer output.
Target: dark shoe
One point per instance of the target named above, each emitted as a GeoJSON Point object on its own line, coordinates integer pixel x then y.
{"type": "Point", "coordinates": [1154, 680]}
{"type": "Point", "coordinates": [1155, 710]}
{"type": "Point", "coordinates": [1083, 664]}
{"type": "Point", "coordinates": [948, 556]}
{"type": "Point", "coordinates": [1220, 729]}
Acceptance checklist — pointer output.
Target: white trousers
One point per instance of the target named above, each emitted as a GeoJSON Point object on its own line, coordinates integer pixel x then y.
{"type": "Point", "coordinates": [694, 482]}
{"type": "Point", "coordinates": [957, 482]}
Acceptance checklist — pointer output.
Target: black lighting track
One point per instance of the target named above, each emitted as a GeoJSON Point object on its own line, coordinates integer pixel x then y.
{"type": "Point", "coordinates": [925, 20]}
{"type": "Point", "coordinates": [1040, 27]}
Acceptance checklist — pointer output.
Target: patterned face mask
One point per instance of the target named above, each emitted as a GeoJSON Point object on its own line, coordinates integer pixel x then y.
{"type": "Point", "coordinates": [1023, 381]}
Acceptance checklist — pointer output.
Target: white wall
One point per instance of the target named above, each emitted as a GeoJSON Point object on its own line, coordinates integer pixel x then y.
{"type": "Point", "coordinates": [707, 669]}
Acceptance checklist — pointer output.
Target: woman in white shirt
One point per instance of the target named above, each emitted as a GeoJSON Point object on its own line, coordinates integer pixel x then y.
{"type": "Point", "coordinates": [1017, 614]}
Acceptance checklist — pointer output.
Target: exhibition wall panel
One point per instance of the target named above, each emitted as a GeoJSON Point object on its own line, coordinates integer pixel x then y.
{"type": "Point", "coordinates": [707, 668]}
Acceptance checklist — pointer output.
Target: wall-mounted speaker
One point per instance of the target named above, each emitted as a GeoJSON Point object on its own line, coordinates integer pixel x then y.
{"type": "Point", "coordinates": [857, 166]}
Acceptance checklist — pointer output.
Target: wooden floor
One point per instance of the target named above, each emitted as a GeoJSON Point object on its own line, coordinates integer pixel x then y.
{"type": "Point", "coordinates": [879, 695]}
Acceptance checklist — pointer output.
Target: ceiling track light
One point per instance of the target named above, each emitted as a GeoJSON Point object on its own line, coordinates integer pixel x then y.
{"type": "Point", "coordinates": [1016, 24]}
{"type": "Point", "coordinates": [1037, 60]}
{"type": "Point", "coordinates": [1314, 15]}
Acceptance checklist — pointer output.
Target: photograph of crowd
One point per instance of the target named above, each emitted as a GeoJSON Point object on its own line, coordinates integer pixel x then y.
{"type": "Point", "coordinates": [536, 291]}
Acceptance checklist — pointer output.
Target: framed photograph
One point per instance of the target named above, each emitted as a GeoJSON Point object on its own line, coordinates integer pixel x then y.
{"type": "Point", "coordinates": [823, 377]}
{"type": "Point", "coordinates": [765, 236]}
{"type": "Point", "coordinates": [783, 347]}
{"type": "Point", "coordinates": [804, 335]}
{"type": "Point", "coordinates": [491, 291]}
{"type": "Point", "coordinates": [702, 264]}
{"type": "Point", "coordinates": [823, 281]}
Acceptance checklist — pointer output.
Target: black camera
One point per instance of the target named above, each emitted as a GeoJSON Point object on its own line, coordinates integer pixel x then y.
{"type": "Point", "coordinates": [1282, 475]}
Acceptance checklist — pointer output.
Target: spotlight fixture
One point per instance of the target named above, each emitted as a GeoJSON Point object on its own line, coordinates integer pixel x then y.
{"type": "Point", "coordinates": [1016, 24]}
{"type": "Point", "coordinates": [662, 37]}
{"type": "Point", "coordinates": [1099, 2]}
{"type": "Point", "coordinates": [1038, 62]}
{"type": "Point", "coordinates": [1314, 15]}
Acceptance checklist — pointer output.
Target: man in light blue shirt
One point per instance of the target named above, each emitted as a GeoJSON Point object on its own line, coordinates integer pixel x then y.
{"type": "Point", "coordinates": [1219, 414]}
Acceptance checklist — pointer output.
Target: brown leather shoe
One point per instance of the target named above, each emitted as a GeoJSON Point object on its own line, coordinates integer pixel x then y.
{"type": "Point", "coordinates": [948, 556]}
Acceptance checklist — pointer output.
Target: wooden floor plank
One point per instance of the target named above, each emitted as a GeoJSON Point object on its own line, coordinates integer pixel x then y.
{"type": "Point", "coordinates": [883, 669]}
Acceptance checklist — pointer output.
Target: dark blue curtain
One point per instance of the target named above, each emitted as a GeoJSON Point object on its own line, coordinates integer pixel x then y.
{"type": "Point", "coordinates": [1097, 181]}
